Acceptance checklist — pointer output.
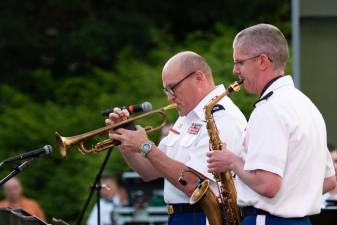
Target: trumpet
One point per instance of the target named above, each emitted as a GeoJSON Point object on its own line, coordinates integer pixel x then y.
{"type": "Point", "coordinates": [66, 143]}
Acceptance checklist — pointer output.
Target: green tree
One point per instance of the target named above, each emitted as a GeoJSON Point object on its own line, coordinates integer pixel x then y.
{"type": "Point", "coordinates": [65, 61]}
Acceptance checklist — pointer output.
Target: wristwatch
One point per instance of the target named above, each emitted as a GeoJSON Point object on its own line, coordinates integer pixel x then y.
{"type": "Point", "coordinates": [146, 148]}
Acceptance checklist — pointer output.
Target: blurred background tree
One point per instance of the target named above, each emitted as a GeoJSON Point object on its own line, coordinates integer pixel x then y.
{"type": "Point", "coordinates": [62, 62]}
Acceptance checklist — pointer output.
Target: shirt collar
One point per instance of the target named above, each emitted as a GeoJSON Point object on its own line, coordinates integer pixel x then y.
{"type": "Point", "coordinates": [269, 83]}
{"type": "Point", "coordinates": [199, 109]}
{"type": "Point", "coordinates": [278, 83]}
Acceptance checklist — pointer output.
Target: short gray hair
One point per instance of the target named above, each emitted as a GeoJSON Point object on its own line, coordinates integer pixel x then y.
{"type": "Point", "coordinates": [264, 38]}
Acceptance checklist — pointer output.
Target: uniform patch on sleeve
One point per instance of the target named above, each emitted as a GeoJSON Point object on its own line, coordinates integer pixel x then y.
{"type": "Point", "coordinates": [217, 107]}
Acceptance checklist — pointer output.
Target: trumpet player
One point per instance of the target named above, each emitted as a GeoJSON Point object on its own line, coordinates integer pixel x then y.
{"type": "Point", "coordinates": [188, 82]}
{"type": "Point", "coordinates": [284, 166]}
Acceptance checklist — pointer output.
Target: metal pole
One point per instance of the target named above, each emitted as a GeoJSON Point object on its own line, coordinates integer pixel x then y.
{"type": "Point", "coordinates": [295, 19]}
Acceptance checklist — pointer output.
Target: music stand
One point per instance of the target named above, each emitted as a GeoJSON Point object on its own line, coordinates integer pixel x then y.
{"type": "Point", "coordinates": [18, 217]}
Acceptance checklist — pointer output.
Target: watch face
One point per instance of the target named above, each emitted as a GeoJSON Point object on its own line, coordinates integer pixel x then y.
{"type": "Point", "coordinates": [146, 146]}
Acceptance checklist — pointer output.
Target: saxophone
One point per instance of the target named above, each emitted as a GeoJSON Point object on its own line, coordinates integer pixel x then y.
{"type": "Point", "coordinates": [222, 210]}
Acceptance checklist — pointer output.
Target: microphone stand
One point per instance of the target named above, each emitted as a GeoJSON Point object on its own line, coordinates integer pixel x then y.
{"type": "Point", "coordinates": [96, 186]}
{"type": "Point", "coordinates": [17, 169]}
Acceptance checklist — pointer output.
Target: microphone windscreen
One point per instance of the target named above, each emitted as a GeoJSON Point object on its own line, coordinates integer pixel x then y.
{"type": "Point", "coordinates": [48, 149]}
{"type": "Point", "coordinates": [147, 106]}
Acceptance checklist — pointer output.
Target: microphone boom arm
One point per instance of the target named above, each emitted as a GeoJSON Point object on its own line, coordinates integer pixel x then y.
{"type": "Point", "coordinates": [16, 170]}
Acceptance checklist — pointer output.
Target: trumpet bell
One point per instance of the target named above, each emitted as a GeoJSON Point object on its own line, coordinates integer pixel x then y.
{"type": "Point", "coordinates": [60, 142]}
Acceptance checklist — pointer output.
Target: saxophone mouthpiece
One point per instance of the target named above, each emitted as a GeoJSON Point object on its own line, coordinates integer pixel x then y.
{"type": "Point", "coordinates": [235, 87]}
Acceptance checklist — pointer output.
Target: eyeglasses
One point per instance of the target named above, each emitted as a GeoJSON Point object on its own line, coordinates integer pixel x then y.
{"type": "Point", "coordinates": [169, 90]}
{"type": "Point", "coordinates": [241, 62]}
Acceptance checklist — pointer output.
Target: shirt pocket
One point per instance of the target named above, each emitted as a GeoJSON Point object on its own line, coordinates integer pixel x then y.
{"type": "Point", "coordinates": [189, 140]}
{"type": "Point", "coordinates": [172, 145]}
{"type": "Point", "coordinates": [172, 140]}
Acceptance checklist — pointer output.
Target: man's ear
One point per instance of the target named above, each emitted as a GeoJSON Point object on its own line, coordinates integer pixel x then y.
{"type": "Point", "coordinates": [264, 62]}
{"type": "Point", "coordinates": [199, 75]}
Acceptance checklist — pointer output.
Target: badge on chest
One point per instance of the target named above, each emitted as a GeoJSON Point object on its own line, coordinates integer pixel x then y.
{"type": "Point", "coordinates": [194, 128]}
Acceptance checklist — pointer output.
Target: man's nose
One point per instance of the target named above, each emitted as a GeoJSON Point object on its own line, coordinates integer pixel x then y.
{"type": "Point", "coordinates": [171, 97]}
{"type": "Point", "coordinates": [236, 70]}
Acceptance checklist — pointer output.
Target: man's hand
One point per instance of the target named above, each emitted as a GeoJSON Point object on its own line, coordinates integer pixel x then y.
{"type": "Point", "coordinates": [263, 182]}
{"type": "Point", "coordinates": [131, 140]}
{"type": "Point", "coordinates": [220, 161]}
{"type": "Point", "coordinates": [117, 116]}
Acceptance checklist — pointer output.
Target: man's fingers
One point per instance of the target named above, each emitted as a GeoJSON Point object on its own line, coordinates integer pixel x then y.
{"type": "Point", "coordinates": [108, 122]}
{"type": "Point", "coordinates": [138, 127]}
{"type": "Point", "coordinates": [114, 117]}
{"type": "Point", "coordinates": [126, 112]}
{"type": "Point", "coordinates": [212, 156]}
{"type": "Point", "coordinates": [119, 112]}
{"type": "Point", "coordinates": [115, 136]}
{"type": "Point", "coordinates": [211, 164]}
{"type": "Point", "coordinates": [122, 113]}
{"type": "Point", "coordinates": [211, 169]}
{"type": "Point", "coordinates": [121, 131]}
{"type": "Point", "coordinates": [209, 154]}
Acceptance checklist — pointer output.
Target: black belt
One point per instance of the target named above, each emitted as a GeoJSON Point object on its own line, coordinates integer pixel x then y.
{"type": "Point", "coordinates": [182, 208]}
{"type": "Point", "coordinates": [252, 211]}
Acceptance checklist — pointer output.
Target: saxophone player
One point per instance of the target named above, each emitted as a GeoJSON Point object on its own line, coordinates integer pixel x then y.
{"type": "Point", "coordinates": [284, 165]}
{"type": "Point", "coordinates": [188, 82]}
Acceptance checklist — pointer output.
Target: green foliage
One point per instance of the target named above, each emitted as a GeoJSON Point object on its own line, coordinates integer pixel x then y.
{"type": "Point", "coordinates": [65, 61]}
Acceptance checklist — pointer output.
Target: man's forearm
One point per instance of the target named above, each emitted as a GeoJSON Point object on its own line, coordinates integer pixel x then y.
{"type": "Point", "coordinates": [171, 170]}
{"type": "Point", "coordinates": [263, 182]}
{"type": "Point", "coordinates": [142, 166]}
{"type": "Point", "coordinates": [329, 184]}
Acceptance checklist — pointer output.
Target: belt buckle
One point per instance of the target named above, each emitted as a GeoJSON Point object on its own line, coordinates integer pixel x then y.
{"type": "Point", "coordinates": [169, 209]}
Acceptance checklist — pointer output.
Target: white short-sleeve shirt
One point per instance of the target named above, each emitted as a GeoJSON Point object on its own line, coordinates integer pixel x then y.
{"type": "Point", "coordinates": [286, 135]}
{"type": "Point", "coordinates": [188, 140]}
{"type": "Point", "coordinates": [106, 209]}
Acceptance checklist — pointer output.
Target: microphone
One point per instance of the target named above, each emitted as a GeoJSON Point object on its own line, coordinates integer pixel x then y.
{"type": "Point", "coordinates": [144, 107]}
{"type": "Point", "coordinates": [46, 150]}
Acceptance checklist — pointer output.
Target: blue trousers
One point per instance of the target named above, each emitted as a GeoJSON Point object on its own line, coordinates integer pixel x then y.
{"type": "Point", "coordinates": [193, 218]}
{"type": "Point", "coordinates": [274, 220]}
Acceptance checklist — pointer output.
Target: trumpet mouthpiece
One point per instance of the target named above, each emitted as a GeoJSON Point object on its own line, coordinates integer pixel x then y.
{"type": "Point", "coordinates": [170, 106]}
